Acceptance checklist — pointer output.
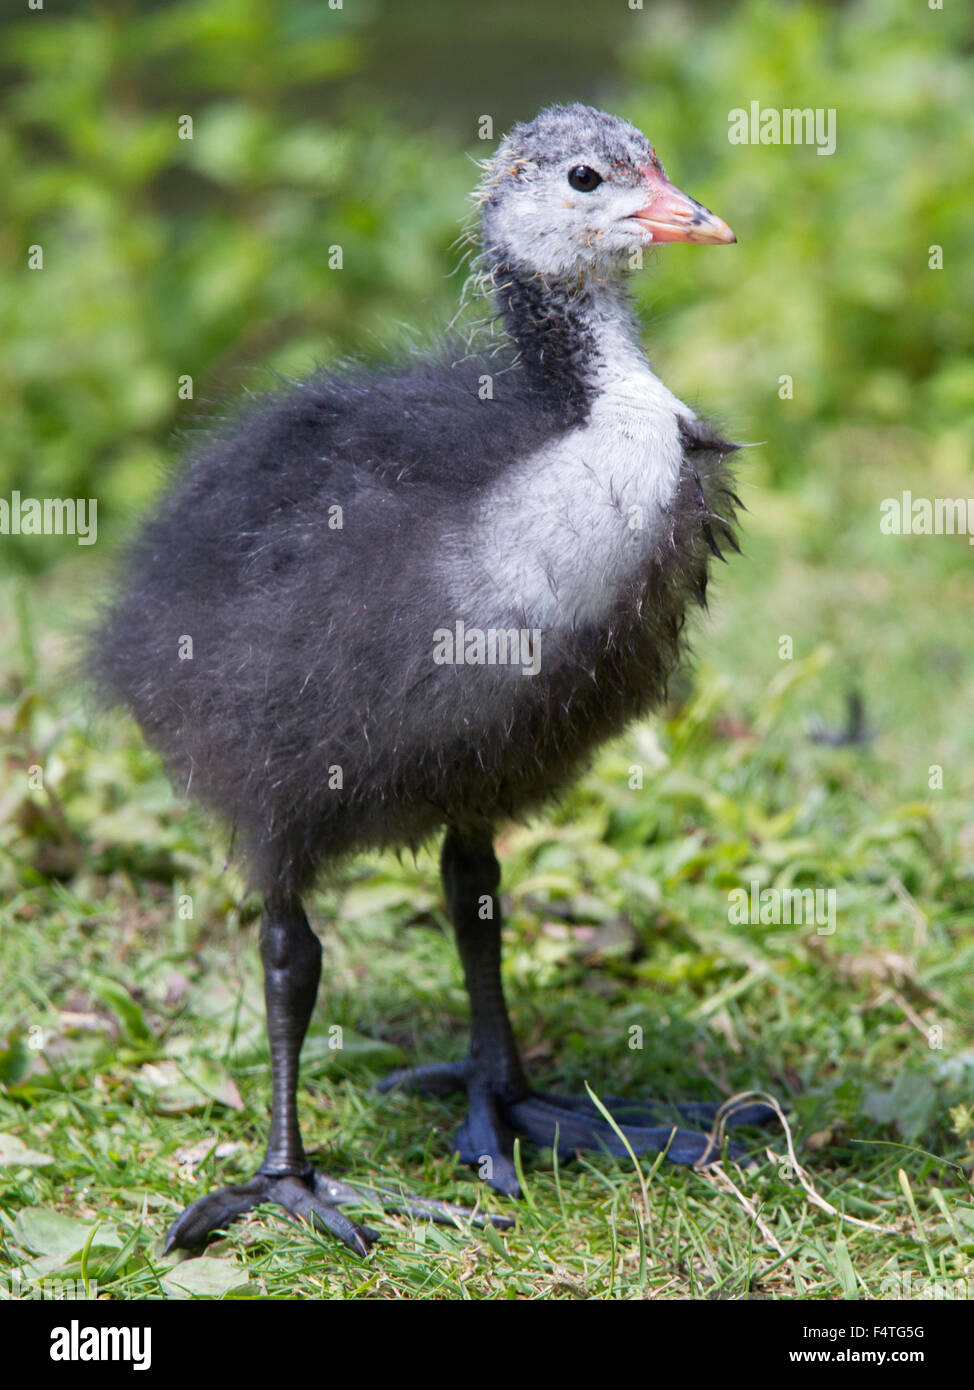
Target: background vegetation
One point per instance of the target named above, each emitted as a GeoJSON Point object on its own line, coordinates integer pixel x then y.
{"type": "Point", "coordinates": [129, 1035]}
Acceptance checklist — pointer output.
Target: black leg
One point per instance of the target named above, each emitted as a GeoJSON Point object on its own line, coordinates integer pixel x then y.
{"type": "Point", "coordinates": [492, 1073]}
{"type": "Point", "coordinates": [471, 878]}
{"type": "Point", "coordinates": [501, 1102]}
{"type": "Point", "coordinates": [291, 955]}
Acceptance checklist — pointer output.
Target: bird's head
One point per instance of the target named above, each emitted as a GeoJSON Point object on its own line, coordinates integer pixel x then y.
{"type": "Point", "coordinates": [576, 191]}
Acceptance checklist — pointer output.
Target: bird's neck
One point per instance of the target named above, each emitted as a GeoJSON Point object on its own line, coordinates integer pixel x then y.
{"type": "Point", "coordinates": [572, 336]}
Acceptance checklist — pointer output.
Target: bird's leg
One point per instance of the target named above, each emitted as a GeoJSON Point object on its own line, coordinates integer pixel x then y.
{"type": "Point", "coordinates": [471, 877]}
{"type": "Point", "coordinates": [291, 956]}
{"type": "Point", "coordinates": [491, 1073]}
{"type": "Point", "coordinates": [495, 1076]}
{"type": "Point", "coordinates": [502, 1102]}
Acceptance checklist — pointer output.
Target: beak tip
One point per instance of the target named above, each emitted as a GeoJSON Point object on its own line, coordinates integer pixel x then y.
{"type": "Point", "coordinates": [671, 215]}
{"type": "Point", "coordinates": [721, 235]}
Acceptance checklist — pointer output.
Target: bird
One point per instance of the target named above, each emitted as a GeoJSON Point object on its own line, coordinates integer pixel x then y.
{"type": "Point", "coordinates": [388, 603]}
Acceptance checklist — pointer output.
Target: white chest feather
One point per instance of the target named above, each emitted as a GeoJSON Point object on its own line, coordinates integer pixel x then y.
{"type": "Point", "coordinates": [557, 538]}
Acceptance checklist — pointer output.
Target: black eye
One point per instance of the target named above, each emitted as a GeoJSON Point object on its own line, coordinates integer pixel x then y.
{"type": "Point", "coordinates": [584, 179]}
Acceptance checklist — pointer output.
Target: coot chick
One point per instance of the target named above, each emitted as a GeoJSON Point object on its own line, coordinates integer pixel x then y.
{"type": "Point", "coordinates": [386, 603]}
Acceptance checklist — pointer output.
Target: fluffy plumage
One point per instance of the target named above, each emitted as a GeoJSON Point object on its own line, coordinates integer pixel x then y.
{"type": "Point", "coordinates": [312, 716]}
{"type": "Point", "coordinates": [383, 602]}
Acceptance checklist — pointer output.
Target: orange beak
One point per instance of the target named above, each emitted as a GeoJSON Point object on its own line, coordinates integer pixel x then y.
{"type": "Point", "coordinates": [670, 215]}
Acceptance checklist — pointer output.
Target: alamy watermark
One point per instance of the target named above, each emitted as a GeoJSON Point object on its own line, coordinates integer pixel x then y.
{"type": "Point", "coordinates": [775, 907]}
{"type": "Point", "coordinates": [50, 516]}
{"type": "Point", "coordinates": [907, 515]}
{"type": "Point", "coordinates": [495, 646]}
{"type": "Point", "coordinates": [792, 125]}
{"type": "Point", "coordinates": [927, 1288]}
{"type": "Point", "coordinates": [15, 1286]}
{"type": "Point", "coordinates": [74, 1342]}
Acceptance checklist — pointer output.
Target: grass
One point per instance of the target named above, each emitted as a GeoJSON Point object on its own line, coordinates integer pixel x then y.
{"type": "Point", "coordinates": [133, 1032]}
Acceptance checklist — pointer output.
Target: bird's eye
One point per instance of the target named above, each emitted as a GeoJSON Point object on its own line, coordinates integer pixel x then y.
{"type": "Point", "coordinates": [583, 179]}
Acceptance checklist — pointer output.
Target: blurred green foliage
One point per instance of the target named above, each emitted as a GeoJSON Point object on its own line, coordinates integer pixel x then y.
{"type": "Point", "coordinates": [166, 256]}
{"type": "Point", "coordinates": [210, 256]}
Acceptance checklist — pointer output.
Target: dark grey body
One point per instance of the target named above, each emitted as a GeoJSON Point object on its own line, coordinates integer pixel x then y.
{"type": "Point", "coordinates": [312, 646]}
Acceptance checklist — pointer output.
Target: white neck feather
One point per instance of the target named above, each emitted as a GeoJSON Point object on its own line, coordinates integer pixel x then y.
{"type": "Point", "coordinates": [559, 533]}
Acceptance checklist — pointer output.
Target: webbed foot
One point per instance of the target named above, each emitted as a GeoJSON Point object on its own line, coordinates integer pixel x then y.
{"type": "Point", "coordinates": [570, 1123]}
